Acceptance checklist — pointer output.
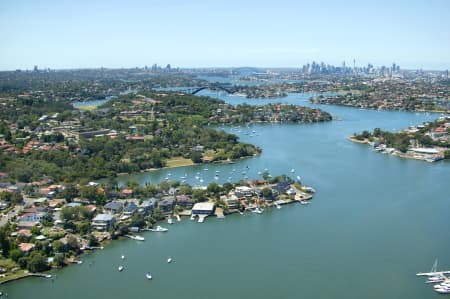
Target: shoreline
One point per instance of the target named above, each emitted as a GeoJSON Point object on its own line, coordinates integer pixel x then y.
{"type": "Point", "coordinates": [397, 153]}
{"type": "Point", "coordinates": [302, 197]}
{"type": "Point", "coordinates": [187, 165]}
{"type": "Point", "coordinates": [26, 275]}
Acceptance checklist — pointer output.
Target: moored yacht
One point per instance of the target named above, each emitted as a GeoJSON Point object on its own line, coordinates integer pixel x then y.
{"type": "Point", "coordinates": [159, 229]}
{"type": "Point", "coordinates": [148, 275]}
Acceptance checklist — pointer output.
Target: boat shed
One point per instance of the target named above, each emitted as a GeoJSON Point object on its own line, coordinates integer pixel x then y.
{"type": "Point", "coordinates": [203, 208]}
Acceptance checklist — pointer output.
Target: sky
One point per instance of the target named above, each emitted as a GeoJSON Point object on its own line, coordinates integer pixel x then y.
{"type": "Point", "coordinates": [63, 34]}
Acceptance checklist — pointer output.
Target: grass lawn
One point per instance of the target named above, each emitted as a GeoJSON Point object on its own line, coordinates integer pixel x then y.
{"type": "Point", "coordinates": [87, 108]}
{"type": "Point", "coordinates": [9, 264]}
{"type": "Point", "coordinates": [179, 161]}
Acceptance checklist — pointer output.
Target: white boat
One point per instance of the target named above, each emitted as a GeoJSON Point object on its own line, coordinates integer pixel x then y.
{"type": "Point", "coordinates": [137, 238]}
{"type": "Point", "coordinates": [170, 220]}
{"type": "Point", "coordinates": [122, 257]}
{"type": "Point", "coordinates": [148, 275]}
{"type": "Point", "coordinates": [443, 290]}
{"type": "Point", "coordinates": [278, 207]}
{"type": "Point", "coordinates": [169, 260]}
{"type": "Point", "coordinates": [159, 229]}
{"type": "Point", "coordinates": [292, 170]}
{"type": "Point", "coordinates": [442, 285]}
{"type": "Point", "coordinates": [304, 202]}
{"type": "Point", "coordinates": [178, 217]}
{"type": "Point", "coordinates": [257, 211]}
{"type": "Point", "coordinates": [120, 268]}
{"type": "Point", "coordinates": [436, 279]}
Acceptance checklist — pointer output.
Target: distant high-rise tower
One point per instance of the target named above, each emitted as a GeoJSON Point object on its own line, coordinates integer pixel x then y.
{"type": "Point", "coordinates": [35, 68]}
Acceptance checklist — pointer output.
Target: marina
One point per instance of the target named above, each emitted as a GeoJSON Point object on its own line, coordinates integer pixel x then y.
{"type": "Point", "coordinates": [441, 282]}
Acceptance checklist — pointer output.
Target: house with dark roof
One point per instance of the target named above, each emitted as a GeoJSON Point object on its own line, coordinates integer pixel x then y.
{"type": "Point", "coordinates": [113, 207]}
{"type": "Point", "coordinates": [282, 186]}
{"type": "Point", "coordinates": [184, 201]}
{"type": "Point", "coordinates": [166, 204]}
{"type": "Point", "coordinates": [130, 208]}
{"type": "Point", "coordinates": [147, 206]}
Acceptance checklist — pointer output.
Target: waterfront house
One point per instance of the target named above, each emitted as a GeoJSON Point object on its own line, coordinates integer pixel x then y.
{"type": "Point", "coordinates": [103, 222]}
{"type": "Point", "coordinates": [166, 204]}
{"type": "Point", "coordinates": [232, 201]}
{"type": "Point", "coordinates": [113, 207]}
{"type": "Point", "coordinates": [282, 186]}
{"type": "Point", "coordinates": [147, 206]}
{"type": "Point", "coordinates": [130, 208]}
{"type": "Point", "coordinates": [184, 201]}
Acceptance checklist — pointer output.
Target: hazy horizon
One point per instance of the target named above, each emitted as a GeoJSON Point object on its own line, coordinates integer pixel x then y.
{"type": "Point", "coordinates": [199, 34]}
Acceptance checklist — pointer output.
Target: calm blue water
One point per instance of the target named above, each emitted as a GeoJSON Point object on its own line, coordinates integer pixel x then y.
{"type": "Point", "coordinates": [374, 222]}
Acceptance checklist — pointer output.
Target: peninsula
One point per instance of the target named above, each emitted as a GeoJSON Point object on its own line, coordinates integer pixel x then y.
{"type": "Point", "coordinates": [429, 141]}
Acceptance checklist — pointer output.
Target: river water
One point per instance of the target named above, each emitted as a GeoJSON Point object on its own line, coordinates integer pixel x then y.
{"type": "Point", "coordinates": [375, 221]}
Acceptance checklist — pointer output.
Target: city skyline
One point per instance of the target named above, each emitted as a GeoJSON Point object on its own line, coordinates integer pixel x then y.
{"type": "Point", "coordinates": [63, 35]}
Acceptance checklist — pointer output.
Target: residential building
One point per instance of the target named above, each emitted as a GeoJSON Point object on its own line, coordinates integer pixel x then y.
{"type": "Point", "coordinates": [184, 201]}
{"type": "Point", "coordinates": [113, 207]}
{"type": "Point", "coordinates": [166, 205]}
{"type": "Point", "coordinates": [103, 222]}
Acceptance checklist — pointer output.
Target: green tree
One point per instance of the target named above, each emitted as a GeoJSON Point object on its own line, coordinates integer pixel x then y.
{"type": "Point", "coordinates": [214, 189]}
{"type": "Point", "coordinates": [267, 193]}
{"type": "Point", "coordinates": [58, 246]}
{"type": "Point", "coordinates": [35, 230]}
{"type": "Point", "coordinates": [92, 240]}
{"type": "Point", "coordinates": [199, 195]}
{"type": "Point", "coordinates": [157, 214]}
{"type": "Point", "coordinates": [185, 189]}
{"type": "Point", "coordinates": [37, 262]}
{"type": "Point", "coordinates": [15, 255]}
{"type": "Point", "coordinates": [70, 192]}
{"type": "Point", "coordinates": [58, 260]}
